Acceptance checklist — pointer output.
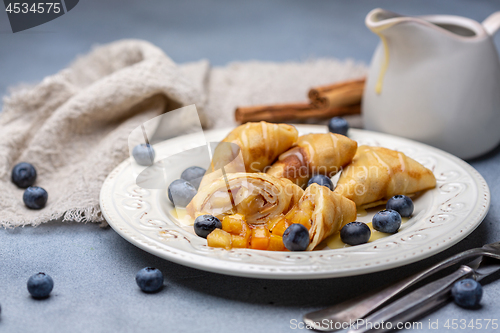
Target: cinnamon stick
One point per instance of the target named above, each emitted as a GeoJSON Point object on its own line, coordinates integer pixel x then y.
{"type": "Point", "coordinates": [294, 111]}
{"type": "Point", "coordinates": [338, 94]}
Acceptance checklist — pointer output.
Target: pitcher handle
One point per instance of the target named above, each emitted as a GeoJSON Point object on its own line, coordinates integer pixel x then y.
{"type": "Point", "coordinates": [492, 23]}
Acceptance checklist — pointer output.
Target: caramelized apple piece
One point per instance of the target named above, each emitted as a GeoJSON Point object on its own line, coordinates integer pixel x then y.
{"type": "Point", "coordinates": [235, 224]}
{"type": "Point", "coordinates": [280, 227]}
{"type": "Point", "coordinates": [239, 230]}
{"type": "Point", "coordinates": [240, 241]}
{"type": "Point", "coordinates": [276, 243]}
{"type": "Point", "coordinates": [219, 238]}
{"type": "Point", "coordinates": [301, 214]}
{"type": "Point", "coordinates": [260, 238]}
{"type": "Point", "coordinates": [302, 217]}
{"type": "Point", "coordinates": [274, 221]}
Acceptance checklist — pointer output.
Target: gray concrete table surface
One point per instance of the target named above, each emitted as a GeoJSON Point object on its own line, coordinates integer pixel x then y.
{"type": "Point", "coordinates": [94, 268]}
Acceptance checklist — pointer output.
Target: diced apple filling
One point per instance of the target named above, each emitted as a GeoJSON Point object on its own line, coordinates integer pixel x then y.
{"type": "Point", "coordinates": [237, 233]}
{"type": "Point", "coordinates": [219, 238]}
{"type": "Point", "coordinates": [276, 243]}
{"type": "Point", "coordinates": [238, 228]}
{"type": "Point", "coordinates": [302, 214]}
{"type": "Point", "coordinates": [260, 238]}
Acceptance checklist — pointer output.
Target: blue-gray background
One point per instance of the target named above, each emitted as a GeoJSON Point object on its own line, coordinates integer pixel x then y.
{"type": "Point", "coordinates": [94, 269]}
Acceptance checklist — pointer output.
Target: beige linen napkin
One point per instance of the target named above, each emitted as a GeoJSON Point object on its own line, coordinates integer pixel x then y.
{"type": "Point", "coordinates": [73, 126]}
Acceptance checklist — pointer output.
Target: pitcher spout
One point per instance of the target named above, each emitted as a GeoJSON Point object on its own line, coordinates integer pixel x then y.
{"type": "Point", "coordinates": [380, 19]}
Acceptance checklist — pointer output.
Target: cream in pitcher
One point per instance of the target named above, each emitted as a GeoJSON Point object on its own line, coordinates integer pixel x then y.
{"type": "Point", "coordinates": [435, 79]}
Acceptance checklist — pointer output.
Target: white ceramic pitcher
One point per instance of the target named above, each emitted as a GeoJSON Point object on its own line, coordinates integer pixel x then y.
{"type": "Point", "coordinates": [435, 79]}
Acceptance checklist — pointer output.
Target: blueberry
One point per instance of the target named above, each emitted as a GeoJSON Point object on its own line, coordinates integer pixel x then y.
{"type": "Point", "coordinates": [296, 237]}
{"type": "Point", "coordinates": [355, 233]}
{"type": "Point", "coordinates": [193, 175]}
{"type": "Point", "coordinates": [321, 180]}
{"type": "Point", "coordinates": [205, 224]}
{"type": "Point", "coordinates": [338, 125]}
{"type": "Point", "coordinates": [401, 204]}
{"type": "Point", "coordinates": [144, 154]}
{"type": "Point", "coordinates": [35, 197]}
{"type": "Point", "coordinates": [467, 293]}
{"type": "Point", "coordinates": [180, 192]}
{"type": "Point", "coordinates": [149, 279]}
{"type": "Point", "coordinates": [40, 285]}
{"type": "Point", "coordinates": [387, 221]}
{"type": "Point", "coordinates": [23, 175]}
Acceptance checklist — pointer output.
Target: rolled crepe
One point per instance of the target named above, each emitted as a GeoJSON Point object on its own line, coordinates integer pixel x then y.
{"type": "Point", "coordinates": [257, 196]}
{"type": "Point", "coordinates": [323, 212]}
{"type": "Point", "coordinates": [319, 153]}
{"type": "Point", "coordinates": [259, 144]}
{"type": "Point", "coordinates": [376, 174]}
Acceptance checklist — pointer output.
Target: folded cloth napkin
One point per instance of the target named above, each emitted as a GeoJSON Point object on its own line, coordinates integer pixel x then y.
{"type": "Point", "coordinates": [73, 126]}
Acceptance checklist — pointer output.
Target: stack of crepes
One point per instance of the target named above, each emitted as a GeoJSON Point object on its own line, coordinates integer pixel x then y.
{"type": "Point", "coordinates": [277, 165]}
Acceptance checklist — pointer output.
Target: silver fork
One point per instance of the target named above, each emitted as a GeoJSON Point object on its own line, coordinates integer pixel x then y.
{"type": "Point", "coordinates": [363, 305]}
{"type": "Point", "coordinates": [423, 300]}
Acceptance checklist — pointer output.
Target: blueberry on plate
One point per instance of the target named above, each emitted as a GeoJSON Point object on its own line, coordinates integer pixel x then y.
{"type": "Point", "coordinates": [321, 180]}
{"type": "Point", "coordinates": [296, 237]}
{"type": "Point", "coordinates": [193, 175]}
{"type": "Point", "coordinates": [338, 125]}
{"type": "Point", "coordinates": [23, 175]}
{"type": "Point", "coordinates": [387, 221]}
{"type": "Point", "coordinates": [149, 279]}
{"type": "Point", "coordinates": [180, 192]}
{"type": "Point", "coordinates": [40, 285]}
{"type": "Point", "coordinates": [205, 224]}
{"type": "Point", "coordinates": [144, 154]}
{"type": "Point", "coordinates": [467, 293]}
{"type": "Point", "coordinates": [35, 197]}
{"type": "Point", "coordinates": [355, 233]}
{"type": "Point", "coordinates": [401, 204]}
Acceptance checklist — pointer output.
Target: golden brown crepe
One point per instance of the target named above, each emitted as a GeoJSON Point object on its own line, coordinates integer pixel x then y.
{"type": "Point", "coordinates": [323, 154]}
{"type": "Point", "coordinates": [257, 196]}
{"type": "Point", "coordinates": [260, 144]}
{"type": "Point", "coordinates": [323, 212]}
{"type": "Point", "coordinates": [377, 173]}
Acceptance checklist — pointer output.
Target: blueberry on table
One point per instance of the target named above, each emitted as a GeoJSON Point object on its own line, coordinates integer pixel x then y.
{"type": "Point", "coordinates": [321, 180]}
{"type": "Point", "coordinates": [338, 125]}
{"type": "Point", "coordinates": [387, 221]}
{"type": "Point", "coordinates": [180, 192]}
{"type": "Point", "coordinates": [23, 175]}
{"type": "Point", "coordinates": [193, 175]}
{"type": "Point", "coordinates": [205, 224]}
{"type": "Point", "coordinates": [355, 233]}
{"type": "Point", "coordinates": [296, 237]}
{"type": "Point", "coordinates": [144, 154]}
{"type": "Point", "coordinates": [149, 279]}
{"type": "Point", "coordinates": [40, 285]}
{"type": "Point", "coordinates": [401, 204]}
{"type": "Point", "coordinates": [467, 293]}
{"type": "Point", "coordinates": [35, 197]}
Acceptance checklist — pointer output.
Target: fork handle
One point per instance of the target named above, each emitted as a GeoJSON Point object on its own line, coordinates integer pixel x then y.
{"type": "Point", "coordinates": [412, 305]}
{"type": "Point", "coordinates": [352, 310]}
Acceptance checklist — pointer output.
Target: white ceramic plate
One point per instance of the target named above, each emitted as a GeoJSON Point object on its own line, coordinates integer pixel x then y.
{"type": "Point", "coordinates": [442, 217]}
